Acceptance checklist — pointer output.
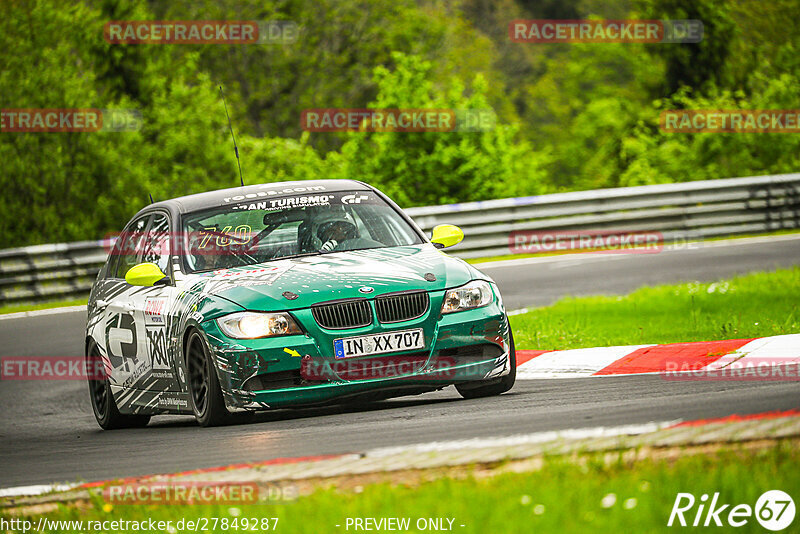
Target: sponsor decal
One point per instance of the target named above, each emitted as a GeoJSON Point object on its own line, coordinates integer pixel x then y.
{"type": "Point", "coordinates": [157, 346]}
{"type": "Point", "coordinates": [121, 339]}
{"type": "Point", "coordinates": [273, 192]}
{"type": "Point", "coordinates": [166, 401]}
{"type": "Point", "coordinates": [223, 279]}
{"type": "Point", "coordinates": [265, 275]}
{"type": "Point", "coordinates": [154, 309]}
{"type": "Point", "coordinates": [134, 376]}
{"type": "Point", "coordinates": [354, 199]}
{"type": "Point", "coordinates": [122, 347]}
{"type": "Point", "coordinates": [283, 203]}
{"type": "Point", "coordinates": [226, 273]}
{"type": "Point", "coordinates": [165, 375]}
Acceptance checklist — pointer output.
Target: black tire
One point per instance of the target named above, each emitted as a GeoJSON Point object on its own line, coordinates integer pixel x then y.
{"type": "Point", "coordinates": [103, 405]}
{"type": "Point", "coordinates": [205, 395]}
{"type": "Point", "coordinates": [494, 386]}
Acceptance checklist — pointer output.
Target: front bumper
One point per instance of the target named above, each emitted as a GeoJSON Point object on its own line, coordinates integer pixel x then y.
{"type": "Point", "coordinates": [460, 347]}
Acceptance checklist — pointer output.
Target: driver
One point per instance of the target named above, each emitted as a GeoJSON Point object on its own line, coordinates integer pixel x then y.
{"type": "Point", "coordinates": [335, 228]}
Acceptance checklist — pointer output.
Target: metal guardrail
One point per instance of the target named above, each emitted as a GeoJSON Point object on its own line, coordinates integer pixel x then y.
{"type": "Point", "coordinates": [683, 211]}
{"type": "Point", "coordinates": [49, 272]}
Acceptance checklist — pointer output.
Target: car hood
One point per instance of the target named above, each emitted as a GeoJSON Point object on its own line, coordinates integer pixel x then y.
{"type": "Point", "coordinates": [340, 275]}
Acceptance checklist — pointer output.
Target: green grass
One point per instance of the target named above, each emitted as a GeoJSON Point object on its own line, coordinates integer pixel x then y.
{"type": "Point", "coordinates": [563, 496]}
{"type": "Point", "coordinates": [15, 308]}
{"type": "Point", "coordinates": [755, 305]}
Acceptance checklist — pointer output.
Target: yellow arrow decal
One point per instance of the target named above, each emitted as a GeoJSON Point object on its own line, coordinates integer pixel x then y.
{"type": "Point", "coordinates": [292, 352]}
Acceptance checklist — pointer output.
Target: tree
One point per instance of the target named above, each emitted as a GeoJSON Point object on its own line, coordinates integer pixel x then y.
{"type": "Point", "coordinates": [439, 167]}
{"type": "Point", "coordinates": [694, 65]}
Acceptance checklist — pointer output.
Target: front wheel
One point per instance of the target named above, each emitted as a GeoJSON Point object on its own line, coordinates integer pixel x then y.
{"type": "Point", "coordinates": [204, 391]}
{"type": "Point", "coordinates": [494, 386]}
{"type": "Point", "coordinates": [103, 404]}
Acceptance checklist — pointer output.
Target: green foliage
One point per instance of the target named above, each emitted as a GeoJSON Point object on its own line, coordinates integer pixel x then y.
{"type": "Point", "coordinates": [434, 167]}
{"type": "Point", "coordinates": [569, 117]}
{"type": "Point", "coordinates": [331, 63]}
{"type": "Point", "coordinates": [695, 65]}
{"type": "Point", "coordinates": [660, 157]}
{"type": "Point", "coordinates": [584, 104]}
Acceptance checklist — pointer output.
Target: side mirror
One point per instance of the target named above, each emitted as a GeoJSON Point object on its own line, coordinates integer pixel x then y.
{"type": "Point", "coordinates": [446, 235]}
{"type": "Point", "coordinates": [145, 274]}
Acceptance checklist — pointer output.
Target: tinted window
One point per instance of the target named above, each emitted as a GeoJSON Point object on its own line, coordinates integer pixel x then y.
{"type": "Point", "coordinates": [157, 243]}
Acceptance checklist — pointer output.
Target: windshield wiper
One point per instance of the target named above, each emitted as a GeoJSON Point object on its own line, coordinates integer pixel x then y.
{"type": "Point", "coordinates": [293, 256]}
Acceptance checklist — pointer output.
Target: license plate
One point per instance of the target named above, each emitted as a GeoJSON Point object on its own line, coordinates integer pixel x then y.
{"type": "Point", "coordinates": [349, 347]}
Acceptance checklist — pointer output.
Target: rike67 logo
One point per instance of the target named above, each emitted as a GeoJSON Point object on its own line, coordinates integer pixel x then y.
{"type": "Point", "coordinates": [774, 510]}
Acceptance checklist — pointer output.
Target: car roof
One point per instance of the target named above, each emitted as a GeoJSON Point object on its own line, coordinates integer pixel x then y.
{"type": "Point", "coordinates": [221, 197]}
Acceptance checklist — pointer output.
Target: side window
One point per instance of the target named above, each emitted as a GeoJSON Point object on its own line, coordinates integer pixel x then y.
{"type": "Point", "coordinates": [110, 270]}
{"type": "Point", "coordinates": [156, 246]}
{"type": "Point", "coordinates": [130, 247]}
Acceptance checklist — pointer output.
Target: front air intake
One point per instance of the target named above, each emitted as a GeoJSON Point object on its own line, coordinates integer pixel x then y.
{"type": "Point", "coordinates": [401, 306]}
{"type": "Point", "coordinates": [343, 314]}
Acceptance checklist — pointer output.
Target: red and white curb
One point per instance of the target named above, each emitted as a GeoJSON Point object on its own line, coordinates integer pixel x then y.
{"type": "Point", "coordinates": [675, 357]}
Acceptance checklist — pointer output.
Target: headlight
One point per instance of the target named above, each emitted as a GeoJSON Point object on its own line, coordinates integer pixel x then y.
{"type": "Point", "coordinates": [251, 325]}
{"type": "Point", "coordinates": [472, 295]}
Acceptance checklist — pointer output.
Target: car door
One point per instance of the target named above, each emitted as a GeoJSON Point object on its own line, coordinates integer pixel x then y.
{"type": "Point", "coordinates": [149, 308]}
{"type": "Point", "coordinates": [119, 336]}
{"type": "Point", "coordinates": [155, 306]}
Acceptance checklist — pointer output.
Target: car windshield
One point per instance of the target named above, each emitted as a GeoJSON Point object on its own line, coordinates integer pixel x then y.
{"type": "Point", "coordinates": [264, 229]}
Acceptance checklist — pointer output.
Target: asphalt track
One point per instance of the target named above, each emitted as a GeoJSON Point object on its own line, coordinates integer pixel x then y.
{"type": "Point", "coordinates": [48, 434]}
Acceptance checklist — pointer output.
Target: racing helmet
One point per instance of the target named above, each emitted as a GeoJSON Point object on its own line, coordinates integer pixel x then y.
{"type": "Point", "coordinates": [333, 221]}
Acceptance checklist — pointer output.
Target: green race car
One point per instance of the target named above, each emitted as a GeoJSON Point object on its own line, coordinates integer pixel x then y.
{"type": "Point", "coordinates": [284, 295]}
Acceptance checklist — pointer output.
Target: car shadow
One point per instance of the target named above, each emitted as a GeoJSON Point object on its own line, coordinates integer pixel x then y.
{"type": "Point", "coordinates": [291, 414]}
